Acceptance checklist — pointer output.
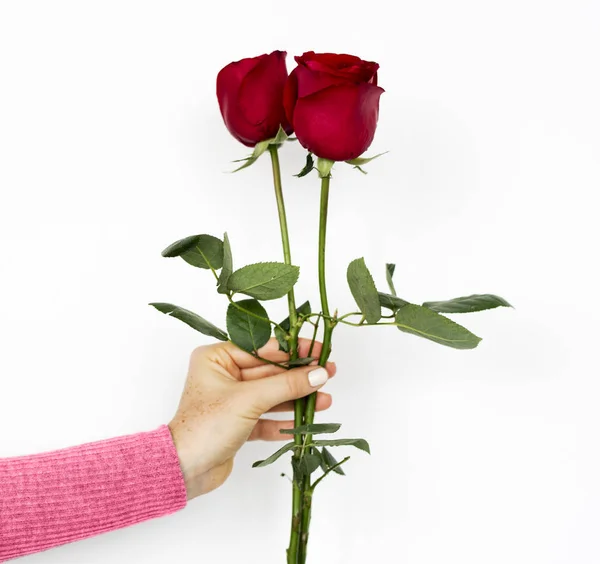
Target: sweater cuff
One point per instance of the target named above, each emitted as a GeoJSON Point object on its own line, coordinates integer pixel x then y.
{"type": "Point", "coordinates": [58, 497]}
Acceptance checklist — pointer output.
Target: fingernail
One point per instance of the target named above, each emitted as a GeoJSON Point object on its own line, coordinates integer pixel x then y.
{"type": "Point", "coordinates": [318, 377]}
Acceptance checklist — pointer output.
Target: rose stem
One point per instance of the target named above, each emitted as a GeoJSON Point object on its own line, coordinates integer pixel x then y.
{"type": "Point", "coordinates": [309, 414]}
{"type": "Point", "coordinates": [293, 346]}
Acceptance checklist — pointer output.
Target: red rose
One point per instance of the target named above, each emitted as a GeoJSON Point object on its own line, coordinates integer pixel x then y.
{"type": "Point", "coordinates": [250, 94]}
{"type": "Point", "coordinates": [332, 102]}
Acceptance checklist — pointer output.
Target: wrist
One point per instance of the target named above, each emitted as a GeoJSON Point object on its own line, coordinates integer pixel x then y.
{"type": "Point", "coordinates": [191, 474]}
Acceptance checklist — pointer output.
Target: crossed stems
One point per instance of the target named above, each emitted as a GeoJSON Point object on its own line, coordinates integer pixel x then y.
{"type": "Point", "coordinates": [304, 410]}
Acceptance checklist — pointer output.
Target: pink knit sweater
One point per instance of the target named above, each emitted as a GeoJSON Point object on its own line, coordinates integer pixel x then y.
{"type": "Point", "coordinates": [57, 497]}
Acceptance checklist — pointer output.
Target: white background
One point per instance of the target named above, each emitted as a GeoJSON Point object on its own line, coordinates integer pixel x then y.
{"type": "Point", "coordinates": [112, 147]}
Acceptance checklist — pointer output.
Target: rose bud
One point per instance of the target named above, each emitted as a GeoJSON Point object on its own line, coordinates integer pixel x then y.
{"type": "Point", "coordinates": [250, 94]}
{"type": "Point", "coordinates": [332, 102]}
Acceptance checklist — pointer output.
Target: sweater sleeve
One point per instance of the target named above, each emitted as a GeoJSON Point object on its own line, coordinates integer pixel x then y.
{"type": "Point", "coordinates": [57, 497]}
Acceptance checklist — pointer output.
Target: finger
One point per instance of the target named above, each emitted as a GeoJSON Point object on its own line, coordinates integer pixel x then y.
{"type": "Point", "coordinates": [304, 348]}
{"type": "Point", "coordinates": [271, 350]}
{"type": "Point", "coordinates": [271, 370]}
{"type": "Point", "coordinates": [324, 402]}
{"type": "Point", "coordinates": [266, 393]}
{"type": "Point", "coordinates": [268, 430]}
{"type": "Point", "coordinates": [244, 360]}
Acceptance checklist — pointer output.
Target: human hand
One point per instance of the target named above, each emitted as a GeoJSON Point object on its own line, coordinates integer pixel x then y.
{"type": "Point", "coordinates": [226, 392]}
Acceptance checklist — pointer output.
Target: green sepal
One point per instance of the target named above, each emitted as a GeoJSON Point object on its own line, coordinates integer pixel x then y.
{"type": "Point", "coordinates": [310, 164]}
{"type": "Point", "coordinates": [324, 167]}
{"type": "Point", "coordinates": [260, 148]}
{"type": "Point", "coordinates": [280, 138]}
{"type": "Point", "coordinates": [359, 161]}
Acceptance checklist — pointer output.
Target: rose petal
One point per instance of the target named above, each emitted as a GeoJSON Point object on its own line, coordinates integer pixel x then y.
{"type": "Point", "coordinates": [310, 81]}
{"type": "Point", "coordinates": [260, 96]}
{"type": "Point", "coordinates": [341, 65]}
{"type": "Point", "coordinates": [290, 95]}
{"type": "Point", "coordinates": [250, 95]}
{"type": "Point", "coordinates": [229, 81]}
{"type": "Point", "coordinates": [338, 123]}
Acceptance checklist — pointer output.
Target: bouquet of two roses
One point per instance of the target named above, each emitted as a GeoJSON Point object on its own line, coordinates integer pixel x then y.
{"type": "Point", "coordinates": [330, 103]}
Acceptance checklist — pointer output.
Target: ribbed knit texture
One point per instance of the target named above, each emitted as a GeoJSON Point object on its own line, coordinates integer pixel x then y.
{"type": "Point", "coordinates": [58, 497]}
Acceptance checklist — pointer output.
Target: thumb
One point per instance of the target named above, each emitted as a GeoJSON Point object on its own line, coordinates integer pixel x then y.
{"type": "Point", "coordinates": [285, 386]}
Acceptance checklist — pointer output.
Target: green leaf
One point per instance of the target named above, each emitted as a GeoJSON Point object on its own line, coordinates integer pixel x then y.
{"type": "Point", "coordinates": [227, 268]}
{"type": "Point", "coordinates": [305, 466]}
{"type": "Point", "coordinates": [364, 160]}
{"type": "Point", "coordinates": [302, 310]}
{"type": "Point", "coordinates": [312, 428]}
{"type": "Point", "coordinates": [310, 164]}
{"type": "Point", "coordinates": [324, 167]}
{"type": "Point", "coordinates": [248, 324]}
{"type": "Point", "coordinates": [389, 274]}
{"type": "Point", "coordinates": [281, 337]}
{"type": "Point", "coordinates": [281, 334]}
{"type": "Point", "coordinates": [364, 291]}
{"type": "Point", "coordinates": [264, 280]}
{"type": "Point", "coordinates": [391, 302]}
{"type": "Point", "coordinates": [207, 252]}
{"type": "Point", "coordinates": [178, 247]}
{"type": "Point", "coordinates": [192, 319]}
{"type": "Point", "coordinates": [423, 322]}
{"type": "Point", "coordinates": [468, 304]}
{"type": "Point", "coordinates": [311, 462]}
{"type": "Point", "coordinates": [328, 461]}
{"type": "Point", "coordinates": [300, 362]}
{"type": "Point", "coordinates": [262, 463]}
{"type": "Point", "coordinates": [358, 443]}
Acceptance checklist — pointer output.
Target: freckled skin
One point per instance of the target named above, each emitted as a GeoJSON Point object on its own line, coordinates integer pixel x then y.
{"type": "Point", "coordinates": [225, 394]}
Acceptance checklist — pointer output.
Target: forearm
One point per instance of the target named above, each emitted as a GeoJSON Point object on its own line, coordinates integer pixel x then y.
{"type": "Point", "coordinates": [58, 497]}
